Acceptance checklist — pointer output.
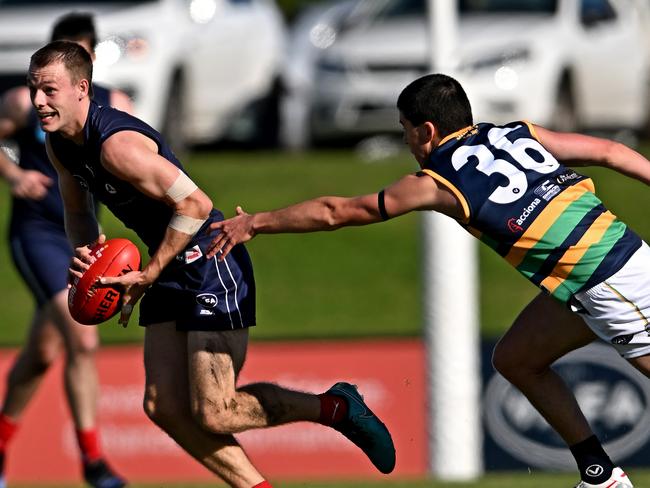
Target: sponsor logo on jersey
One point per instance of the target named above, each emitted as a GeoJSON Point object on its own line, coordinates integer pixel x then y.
{"type": "Point", "coordinates": [207, 300]}
{"type": "Point", "coordinates": [110, 189]}
{"type": "Point", "coordinates": [623, 339]}
{"type": "Point", "coordinates": [190, 255]}
{"type": "Point", "coordinates": [82, 182]}
{"type": "Point", "coordinates": [513, 226]}
{"type": "Point", "coordinates": [568, 176]}
{"type": "Point", "coordinates": [526, 212]}
{"type": "Point", "coordinates": [203, 311]}
{"type": "Point", "coordinates": [547, 190]}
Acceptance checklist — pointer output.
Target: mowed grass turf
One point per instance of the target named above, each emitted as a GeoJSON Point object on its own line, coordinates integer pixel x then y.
{"type": "Point", "coordinates": [641, 478]}
{"type": "Point", "coordinates": [354, 282]}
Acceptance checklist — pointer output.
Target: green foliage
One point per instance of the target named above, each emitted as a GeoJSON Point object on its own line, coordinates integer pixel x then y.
{"type": "Point", "coordinates": [349, 283]}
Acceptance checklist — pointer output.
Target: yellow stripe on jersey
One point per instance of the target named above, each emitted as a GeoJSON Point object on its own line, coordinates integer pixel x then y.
{"type": "Point", "coordinates": [450, 186]}
{"type": "Point", "coordinates": [532, 130]}
{"type": "Point", "coordinates": [545, 220]}
{"type": "Point", "coordinates": [574, 254]}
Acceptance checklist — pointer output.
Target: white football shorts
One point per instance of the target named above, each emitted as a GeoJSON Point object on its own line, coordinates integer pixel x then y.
{"type": "Point", "coordinates": [618, 309]}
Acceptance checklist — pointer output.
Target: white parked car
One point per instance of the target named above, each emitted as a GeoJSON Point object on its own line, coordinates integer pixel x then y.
{"type": "Point", "coordinates": [567, 64]}
{"type": "Point", "coordinates": [198, 70]}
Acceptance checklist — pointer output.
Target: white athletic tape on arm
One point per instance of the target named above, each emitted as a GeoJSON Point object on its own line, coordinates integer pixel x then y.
{"type": "Point", "coordinates": [185, 224]}
{"type": "Point", "coordinates": [181, 188]}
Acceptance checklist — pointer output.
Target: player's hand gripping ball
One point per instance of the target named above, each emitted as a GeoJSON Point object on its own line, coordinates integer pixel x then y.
{"type": "Point", "coordinates": [90, 303]}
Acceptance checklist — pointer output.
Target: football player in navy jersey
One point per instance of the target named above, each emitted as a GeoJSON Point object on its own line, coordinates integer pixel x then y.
{"type": "Point", "coordinates": [42, 255]}
{"type": "Point", "coordinates": [512, 187]}
{"type": "Point", "coordinates": [196, 310]}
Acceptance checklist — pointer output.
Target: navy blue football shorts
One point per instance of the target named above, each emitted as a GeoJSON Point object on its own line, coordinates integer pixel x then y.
{"type": "Point", "coordinates": [203, 294]}
{"type": "Point", "coordinates": [42, 254]}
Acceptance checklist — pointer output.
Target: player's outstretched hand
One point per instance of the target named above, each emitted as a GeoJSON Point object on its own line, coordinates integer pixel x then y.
{"type": "Point", "coordinates": [133, 285]}
{"type": "Point", "coordinates": [230, 232]}
{"type": "Point", "coordinates": [83, 258]}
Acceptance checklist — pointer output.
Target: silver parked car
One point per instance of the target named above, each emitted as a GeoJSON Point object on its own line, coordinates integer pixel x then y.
{"type": "Point", "coordinates": [567, 64]}
{"type": "Point", "coordinates": [198, 70]}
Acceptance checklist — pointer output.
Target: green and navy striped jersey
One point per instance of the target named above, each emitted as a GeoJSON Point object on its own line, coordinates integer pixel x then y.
{"type": "Point", "coordinates": [541, 216]}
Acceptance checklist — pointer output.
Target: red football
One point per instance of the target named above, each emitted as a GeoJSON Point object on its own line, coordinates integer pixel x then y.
{"type": "Point", "coordinates": [90, 304]}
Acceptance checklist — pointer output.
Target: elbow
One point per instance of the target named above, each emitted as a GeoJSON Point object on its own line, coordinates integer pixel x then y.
{"type": "Point", "coordinates": [205, 206]}
{"type": "Point", "coordinates": [197, 205]}
{"type": "Point", "coordinates": [330, 216]}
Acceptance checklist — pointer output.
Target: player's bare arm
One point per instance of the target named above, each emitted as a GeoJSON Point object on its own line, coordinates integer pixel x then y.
{"type": "Point", "coordinates": [133, 157]}
{"type": "Point", "coordinates": [80, 222]}
{"type": "Point", "coordinates": [581, 150]}
{"type": "Point", "coordinates": [15, 106]}
{"type": "Point", "coordinates": [121, 101]}
{"type": "Point", "coordinates": [412, 192]}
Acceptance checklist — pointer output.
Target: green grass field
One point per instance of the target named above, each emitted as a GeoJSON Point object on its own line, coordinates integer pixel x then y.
{"type": "Point", "coordinates": [351, 283]}
{"type": "Point", "coordinates": [641, 478]}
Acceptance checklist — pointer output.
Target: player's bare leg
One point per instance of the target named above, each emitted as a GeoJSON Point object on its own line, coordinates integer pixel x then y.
{"type": "Point", "coordinates": [53, 331]}
{"type": "Point", "coordinates": [642, 363]}
{"type": "Point", "coordinates": [220, 406]}
{"type": "Point", "coordinates": [167, 403]}
{"type": "Point", "coordinates": [216, 358]}
{"type": "Point", "coordinates": [43, 346]}
{"type": "Point", "coordinates": [80, 372]}
{"type": "Point", "coordinates": [543, 332]}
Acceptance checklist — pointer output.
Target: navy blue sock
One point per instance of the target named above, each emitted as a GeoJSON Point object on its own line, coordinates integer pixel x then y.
{"type": "Point", "coordinates": [593, 462]}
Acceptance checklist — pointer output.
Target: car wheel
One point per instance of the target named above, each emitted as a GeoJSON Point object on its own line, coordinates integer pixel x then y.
{"type": "Point", "coordinates": [565, 117]}
{"type": "Point", "coordinates": [174, 118]}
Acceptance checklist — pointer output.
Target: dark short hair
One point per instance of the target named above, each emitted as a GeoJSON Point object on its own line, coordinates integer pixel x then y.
{"type": "Point", "coordinates": [438, 99]}
{"type": "Point", "coordinates": [75, 26]}
{"type": "Point", "coordinates": [74, 57]}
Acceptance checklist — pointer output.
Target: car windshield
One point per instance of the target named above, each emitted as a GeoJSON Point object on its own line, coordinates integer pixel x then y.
{"type": "Point", "coordinates": [509, 6]}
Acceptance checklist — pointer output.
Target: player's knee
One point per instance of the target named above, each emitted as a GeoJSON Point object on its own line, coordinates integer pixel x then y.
{"type": "Point", "coordinates": [44, 356]}
{"type": "Point", "coordinates": [504, 361]}
{"type": "Point", "coordinates": [161, 411]}
{"type": "Point", "coordinates": [517, 365]}
{"type": "Point", "coordinates": [84, 345]}
{"type": "Point", "coordinates": [216, 416]}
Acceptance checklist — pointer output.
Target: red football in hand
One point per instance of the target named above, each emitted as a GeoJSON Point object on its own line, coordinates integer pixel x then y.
{"type": "Point", "coordinates": [90, 304]}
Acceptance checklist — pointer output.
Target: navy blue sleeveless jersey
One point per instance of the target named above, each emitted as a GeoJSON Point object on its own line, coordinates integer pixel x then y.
{"type": "Point", "coordinates": [541, 216]}
{"type": "Point", "coordinates": [148, 217]}
{"type": "Point", "coordinates": [31, 145]}
{"type": "Point", "coordinates": [192, 291]}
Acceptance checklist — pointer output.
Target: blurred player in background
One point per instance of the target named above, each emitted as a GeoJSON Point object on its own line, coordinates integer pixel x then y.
{"type": "Point", "coordinates": [506, 186]}
{"type": "Point", "coordinates": [196, 311]}
{"type": "Point", "coordinates": [42, 255]}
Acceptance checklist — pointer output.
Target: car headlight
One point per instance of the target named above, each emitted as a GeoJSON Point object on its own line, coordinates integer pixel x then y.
{"type": "Point", "coordinates": [322, 35]}
{"type": "Point", "coordinates": [113, 48]}
{"type": "Point", "coordinates": [202, 11]}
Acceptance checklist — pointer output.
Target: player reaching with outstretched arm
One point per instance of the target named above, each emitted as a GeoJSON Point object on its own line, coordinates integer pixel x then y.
{"type": "Point", "coordinates": [511, 186]}
{"type": "Point", "coordinates": [42, 254]}
{"type": "Point", "coordinates": [194, 348]}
